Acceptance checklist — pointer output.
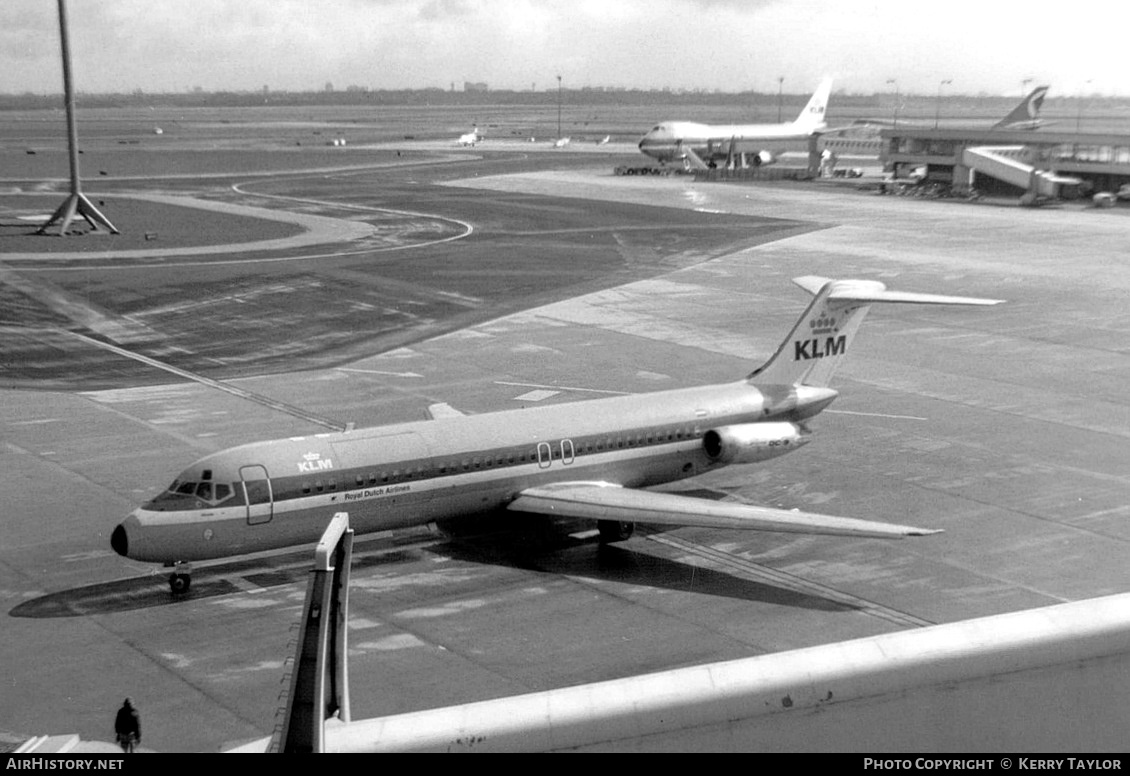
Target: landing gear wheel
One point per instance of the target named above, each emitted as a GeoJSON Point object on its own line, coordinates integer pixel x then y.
{"type": "Point", "coordinates": [614, 530]}
{"type": "Point", "coordinates": [179, 583]}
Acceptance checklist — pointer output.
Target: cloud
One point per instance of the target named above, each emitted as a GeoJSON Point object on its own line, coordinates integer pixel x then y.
{"type": "Point", "coordinates": [121, 45]}
{"type": "Point", "coordinates": [447, 9]}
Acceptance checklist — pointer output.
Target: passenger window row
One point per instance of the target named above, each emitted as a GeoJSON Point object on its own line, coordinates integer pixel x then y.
{"type": "Point", "coordinates": [502, 458]}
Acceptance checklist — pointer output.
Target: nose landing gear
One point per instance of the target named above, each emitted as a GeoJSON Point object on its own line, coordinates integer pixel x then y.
{"type": "Point", "coordinates": [181, 578]}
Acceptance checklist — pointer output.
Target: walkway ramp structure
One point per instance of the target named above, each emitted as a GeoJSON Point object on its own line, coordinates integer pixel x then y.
{"type": "Point", "coordinates": [691, 160]}
{"type": "Point", "coordinates": [1055, 679]}
{"type": "Point", "coordinates": [1007, 163]}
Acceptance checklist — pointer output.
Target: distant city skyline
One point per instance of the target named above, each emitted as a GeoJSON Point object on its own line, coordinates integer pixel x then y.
{"type": "Point", "coordinates": [870, 46]}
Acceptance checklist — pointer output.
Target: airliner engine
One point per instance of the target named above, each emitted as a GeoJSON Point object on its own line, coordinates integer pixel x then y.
{"type": "Point", "coordinates": [752, 442]}
{"type": "Point", "coordinates": [763, 157]}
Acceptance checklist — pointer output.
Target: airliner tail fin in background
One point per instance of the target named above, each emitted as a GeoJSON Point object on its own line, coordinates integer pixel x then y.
{"type": "Point", "coordinates": [812, 117]}
{"type": "Point", "coordinates": [821, 338]}
{"type": "Point", "coordinates": [1026, 115]}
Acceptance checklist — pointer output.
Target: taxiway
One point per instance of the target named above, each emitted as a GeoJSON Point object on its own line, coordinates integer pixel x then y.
{"type": "Point", "coordinates": [1006, 427]}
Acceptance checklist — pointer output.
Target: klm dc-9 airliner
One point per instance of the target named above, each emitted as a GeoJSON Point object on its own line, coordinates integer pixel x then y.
{"type": "Point", "coordinates": [591, 459]}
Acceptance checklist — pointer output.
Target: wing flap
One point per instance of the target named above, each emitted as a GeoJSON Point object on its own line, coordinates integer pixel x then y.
{"type": "Point", "coordinates": [603, 501]}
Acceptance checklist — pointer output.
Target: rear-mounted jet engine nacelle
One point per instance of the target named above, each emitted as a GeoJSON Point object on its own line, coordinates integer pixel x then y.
{"type": "Point", "coordinates": [752, 442]}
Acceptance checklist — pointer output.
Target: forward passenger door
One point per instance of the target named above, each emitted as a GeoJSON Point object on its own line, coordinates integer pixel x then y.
{"type": "Point", "coordinates": [257, 494]}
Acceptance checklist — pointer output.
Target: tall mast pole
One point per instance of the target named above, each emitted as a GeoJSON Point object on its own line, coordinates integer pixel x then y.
{"type": "Point", "coordinates": [76, 203]}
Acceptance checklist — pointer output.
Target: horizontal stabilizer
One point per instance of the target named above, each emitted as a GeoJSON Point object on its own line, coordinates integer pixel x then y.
{"type": "Point", "coordinates": [604, 501]}
{"type": "Point", "coordinates": [867, 291]}
{"type": "Point", "coordinates": [822, 337]}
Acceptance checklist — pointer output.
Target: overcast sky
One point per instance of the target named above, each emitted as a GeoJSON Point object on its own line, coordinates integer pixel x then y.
{"type": "Point", "coordinates": [988, 46]}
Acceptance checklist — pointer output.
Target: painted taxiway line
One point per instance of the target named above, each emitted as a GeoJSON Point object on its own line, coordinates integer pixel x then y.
{"type": "Point", "coordinates": [242, 393]}
{"type": "Point", "coordinates": [318, 230]}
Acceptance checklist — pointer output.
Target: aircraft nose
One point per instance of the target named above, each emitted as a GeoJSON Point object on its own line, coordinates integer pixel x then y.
{"type": "Point", "coordinates": [653, 145]}
{"type": "Point", "coordinates": [119, 540]}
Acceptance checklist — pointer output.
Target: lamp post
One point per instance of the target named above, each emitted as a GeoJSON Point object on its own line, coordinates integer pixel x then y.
{"type": "Point", "coordinates": [76, 203]}
{"type": "Point", "coordinates": [1079, 114]}
{"type": "Point", "coordinates": [780, 86]}
{"type": "Point", "coordinates": [938, 103]}
{"type": "Point", "coordinates": [896, 83]}
{"type": "Point", "coordinates": [558, 107]}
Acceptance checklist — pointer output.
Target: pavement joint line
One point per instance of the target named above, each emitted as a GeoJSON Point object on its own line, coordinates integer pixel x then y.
{"type": "Point", "coordinates": [470, 229]}
{"type": "Point", "coordinates": [351, 169]}
{"type": "Point", "coordinates": [245, 585]}
{"type": "Point", "coordinates": [569, 388]}
{"type": "Point", "coordinates": [135, 258]}
{"type": "Point", "coordinates": [317, 230]}
{"type": "Point", "coordinates": [242, 393]}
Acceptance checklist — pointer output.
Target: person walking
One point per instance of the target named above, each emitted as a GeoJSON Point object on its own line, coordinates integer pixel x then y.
{"type": "Point", "coordinates": [127, 726]}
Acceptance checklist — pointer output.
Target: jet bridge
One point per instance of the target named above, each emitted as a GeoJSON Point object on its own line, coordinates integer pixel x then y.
{"type": "Point", "coordinates": [1040, 163]}
{"type": "Point", "coordinates": [319, 685]}
{"type": "Point", "coordinates": [1007, 163]}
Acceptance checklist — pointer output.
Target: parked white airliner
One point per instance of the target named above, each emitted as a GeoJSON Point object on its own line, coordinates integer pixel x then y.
{"type": "Point", "coordinates": [702, 145]}
{"type": "Point", "coordinates": [471, 138]}
{"type": "Point", "coordinates": [588, 459]}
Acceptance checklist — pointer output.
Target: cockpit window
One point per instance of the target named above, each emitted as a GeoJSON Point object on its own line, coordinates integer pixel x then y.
{"type": "Point", "coordinates": [182, 495]}
{"type": "Point", "coordinates": [205, 491]}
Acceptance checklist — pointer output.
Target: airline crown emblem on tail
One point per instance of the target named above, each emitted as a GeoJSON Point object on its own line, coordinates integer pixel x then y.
{"type": "Point", "coordinates": [821, 338]}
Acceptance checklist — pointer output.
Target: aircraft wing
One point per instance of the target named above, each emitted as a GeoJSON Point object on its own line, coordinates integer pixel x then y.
{"type": "Point", "coordinates": [604, 501]}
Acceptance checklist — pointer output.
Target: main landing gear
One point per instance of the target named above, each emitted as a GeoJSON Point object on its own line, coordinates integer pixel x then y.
{"type": "Point", "coordinates": [614, 530]}
{"type": "Point", "coordinates": [181, 578]}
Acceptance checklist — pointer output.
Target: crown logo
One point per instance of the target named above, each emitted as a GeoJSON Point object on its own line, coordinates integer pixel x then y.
{"type": "Point", "coordinates": [312, 456]}
{"type": "Point", "coordinates": [825, 324]}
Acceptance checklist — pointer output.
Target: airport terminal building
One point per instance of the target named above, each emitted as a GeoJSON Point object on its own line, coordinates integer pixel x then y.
{"type": "Point", "coordinates": [1068, 164]}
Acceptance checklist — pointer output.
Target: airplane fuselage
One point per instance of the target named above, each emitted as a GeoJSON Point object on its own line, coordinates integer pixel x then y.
{"type": "Point", "coordinates": [702, 144]}
{"type": "Point", "coordinates": [670, 140]}
{"type": "Point", "coordinates": [280, 493]}
{"type": "Point", "coordinates": [589, 460]}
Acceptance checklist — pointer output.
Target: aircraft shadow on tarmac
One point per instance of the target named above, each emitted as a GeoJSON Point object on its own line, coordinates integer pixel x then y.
{"type": "Point", "coordinates": [559, 547]}
{"type": "Point", "coordinates": [627, 562]}
{"type": "Point", "coordinates": [210, 581]}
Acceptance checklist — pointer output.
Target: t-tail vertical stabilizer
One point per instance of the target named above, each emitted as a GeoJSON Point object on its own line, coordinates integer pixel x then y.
{"type": "Point", "coordinates": [822, 337]}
